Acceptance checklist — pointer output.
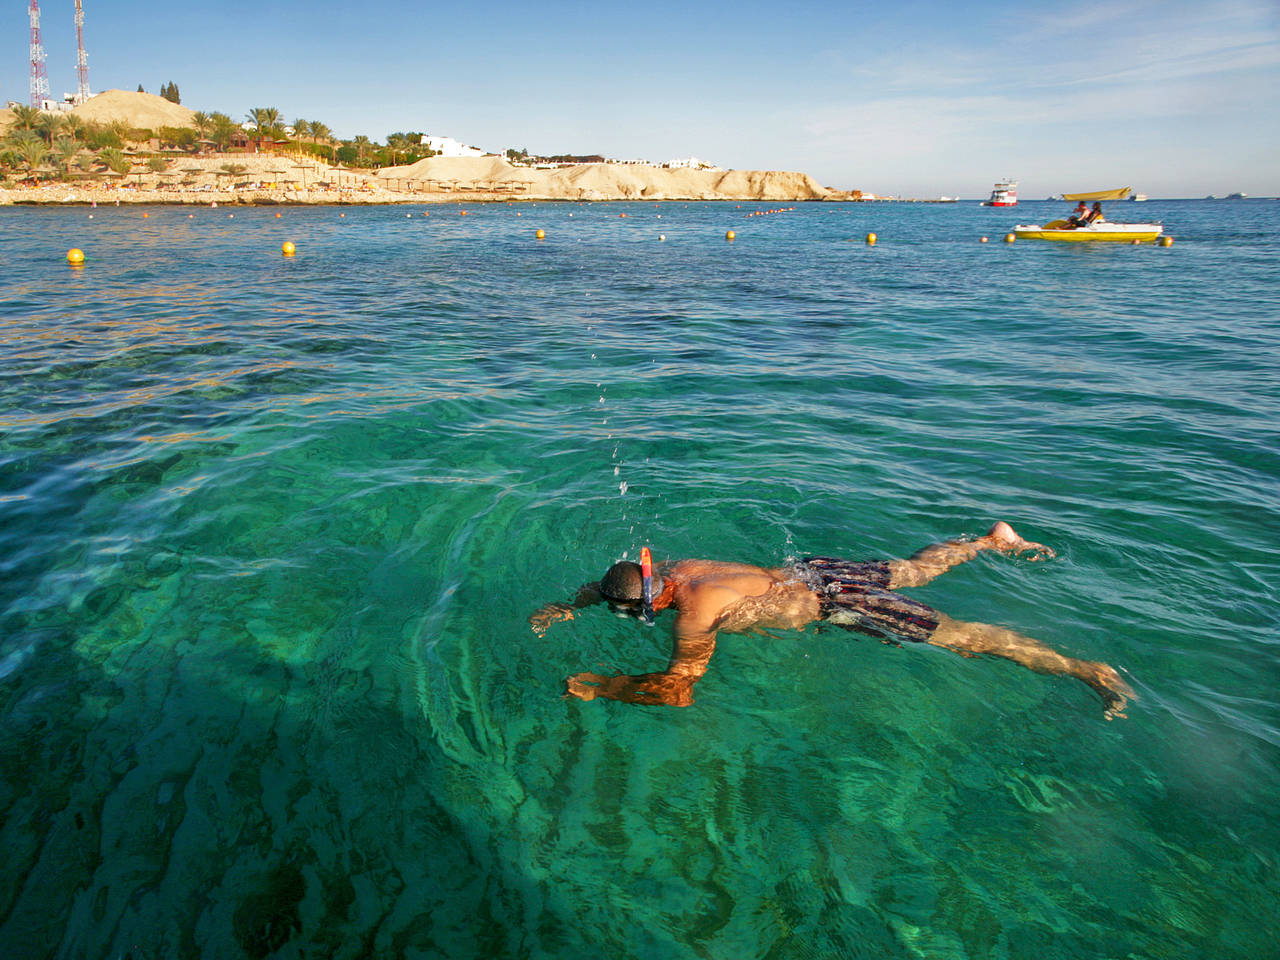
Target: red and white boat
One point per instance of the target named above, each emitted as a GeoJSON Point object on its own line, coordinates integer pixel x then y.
{"type": "Point", "coordinates": [1004, 194]}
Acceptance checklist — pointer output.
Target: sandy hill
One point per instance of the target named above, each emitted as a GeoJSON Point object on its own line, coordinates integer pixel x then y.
{"type": "Point", "coordinates": [614, 181]}
{"type": "Point", "coordinates": [462, 169]}
{"type": "Point", "coordinates": [144, 110]}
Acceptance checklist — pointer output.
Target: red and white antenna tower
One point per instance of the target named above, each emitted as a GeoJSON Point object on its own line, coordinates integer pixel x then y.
{"type": "Point", "coordinates": [82, 58]}
{"type": "Point", "coordinates": [39, 78]}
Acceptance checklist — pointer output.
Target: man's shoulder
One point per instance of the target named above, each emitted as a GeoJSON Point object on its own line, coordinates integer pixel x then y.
{"type": "Point", "coordinates": [706, 569]}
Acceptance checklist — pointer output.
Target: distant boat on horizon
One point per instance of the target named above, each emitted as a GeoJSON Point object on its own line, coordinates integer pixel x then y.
{"type": "Point", "coordinates": [1003, 194]}
{"type": "Point", "coordinates": [1137, 196]}
{"type": "Point", "coordinates": [1235, 196]}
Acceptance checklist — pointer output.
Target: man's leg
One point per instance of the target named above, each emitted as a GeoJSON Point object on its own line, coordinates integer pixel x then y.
{"type": "Point", "coordinates": [970, 639]}
{"type": "Point", "coordinates": [938, 558]}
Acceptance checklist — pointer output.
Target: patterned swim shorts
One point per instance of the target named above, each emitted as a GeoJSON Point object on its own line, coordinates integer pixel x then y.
{"type": "Point", "coordinates": [856, 595]}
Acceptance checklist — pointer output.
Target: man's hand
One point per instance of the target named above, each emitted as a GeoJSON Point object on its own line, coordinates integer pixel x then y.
{"type": "Point", "coordinates": [649, 689]}
{"type": "Point", "coordinates": [584, 686]}
{"type": "Point", "coordinates": [540, 620]}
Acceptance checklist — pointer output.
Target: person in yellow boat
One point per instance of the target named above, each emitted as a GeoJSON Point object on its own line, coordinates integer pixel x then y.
{"type": "Point", "coordinates": [711, 596]}
{"type": "Point", "coordinates": [1095, 215]}
{"type": "Point", "coordinates": [1079, 216]}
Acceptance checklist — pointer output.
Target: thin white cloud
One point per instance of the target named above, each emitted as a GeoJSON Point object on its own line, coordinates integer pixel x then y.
{"type": "Point", "coordinates": [1139, 41]}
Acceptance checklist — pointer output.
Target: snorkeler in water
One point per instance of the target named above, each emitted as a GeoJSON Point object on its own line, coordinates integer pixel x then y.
{"type": "Point", "coordinates": [710, 596]}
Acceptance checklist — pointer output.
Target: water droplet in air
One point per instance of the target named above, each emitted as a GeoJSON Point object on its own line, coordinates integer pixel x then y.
{"type": "Point", "coordinates": [622, 488]}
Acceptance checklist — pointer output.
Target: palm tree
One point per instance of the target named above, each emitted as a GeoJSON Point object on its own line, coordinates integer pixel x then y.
{"type": "Point", "coordinates": [115, 160]}
{"type": "Point", "coordinates": [361, 143]}
{"type": "Point", "coordinates": [320, 131]}
{"type": "Point", "coordinates": [50, 126]}
{"type": "Point", "coordinates": [301, 128]}
{"type": "Point", "coordinates": [223, 128]}
{"type": "Point", "coordinates": [201, 121]}
{"type": "Point", "coordinates": [398, 143]}
{"type": "Point", "coordinates": [263, 119]}
{"type": "Point", "coordinates": [25, 117]}
{"type": "Point", "coordinates": [274, 128]}
{"type": "Point", "coordinates": [65, 149]}
{"type": "Point", "coordinates": [16, 138]}
{"type": "Point", "coordinates": [32, 153]}
{"type": "Point", "coordinates": [258, 117]}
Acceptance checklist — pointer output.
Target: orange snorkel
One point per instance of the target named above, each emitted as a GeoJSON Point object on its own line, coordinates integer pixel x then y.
{"type": "Point", "coordinates": [646, 578]}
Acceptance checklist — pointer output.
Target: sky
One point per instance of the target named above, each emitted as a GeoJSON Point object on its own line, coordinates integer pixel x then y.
{"type": "Point", "coordinates": [912, 98]}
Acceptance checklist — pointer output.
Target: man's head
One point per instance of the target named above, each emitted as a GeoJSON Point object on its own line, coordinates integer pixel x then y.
{"type": "Point", "coordinates": [623, 587]}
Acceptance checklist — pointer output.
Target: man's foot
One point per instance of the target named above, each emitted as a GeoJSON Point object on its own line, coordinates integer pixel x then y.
{"type": "Point", "coordinates": [1004, 538]}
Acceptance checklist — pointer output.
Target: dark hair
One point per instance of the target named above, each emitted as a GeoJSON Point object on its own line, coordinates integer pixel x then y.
{"type": "Point", "coordinates": [623, 581]}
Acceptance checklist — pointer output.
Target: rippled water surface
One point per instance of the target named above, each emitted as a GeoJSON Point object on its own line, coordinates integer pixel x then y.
{"type": "Point", "coordinates": [271, 530]}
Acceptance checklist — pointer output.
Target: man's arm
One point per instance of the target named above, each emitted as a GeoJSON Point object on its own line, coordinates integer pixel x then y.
{"type": "Point", "coordinates": [541, 619]}
{"type": "Point", "coordinates": [672, 687]}
{"type": "Point", "coordinates": [651, 689]}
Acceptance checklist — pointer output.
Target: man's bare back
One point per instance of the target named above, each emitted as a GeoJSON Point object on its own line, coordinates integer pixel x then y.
{"type": "Point", "coordinates": [711, 596]}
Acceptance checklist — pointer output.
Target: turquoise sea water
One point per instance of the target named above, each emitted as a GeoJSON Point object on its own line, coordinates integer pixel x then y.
{"type": "Point", "coordinates": [271, 530]}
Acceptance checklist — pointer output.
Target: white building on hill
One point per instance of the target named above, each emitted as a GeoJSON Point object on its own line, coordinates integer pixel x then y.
{"type": "Point", "coordinates": [449, 147]}
{"type": "Point", "coordinates": [690, 163]}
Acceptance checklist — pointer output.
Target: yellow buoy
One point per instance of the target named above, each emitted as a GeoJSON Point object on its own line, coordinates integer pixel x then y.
{"type": "Point", "coordinates": [75, 256]}
{"type": "Point", "coordinates": [541, 234]}
{"type": "Point", "coordinates": [279, 215]}
{"type": "Point", "coordinates": [871, 239]}
{"type": "Point", "coordinates": [288, 249]}
{"type": "Point", "coordinates": [982, 239]}
{"type": "Point", "coordinates": [1009, 238]}
{"type": "Point", "coordinates": [145, 215]}
{"type": "Point", "coordinates": [662, 236]}
{"type": "Point", "coordinates": [1166, 241]}
{"type": "Point", "coordinates": [731, 235]}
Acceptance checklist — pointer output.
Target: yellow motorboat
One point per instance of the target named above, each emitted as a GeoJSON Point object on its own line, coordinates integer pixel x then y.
{"type": "Point", "coordinates": [1097, 229]}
